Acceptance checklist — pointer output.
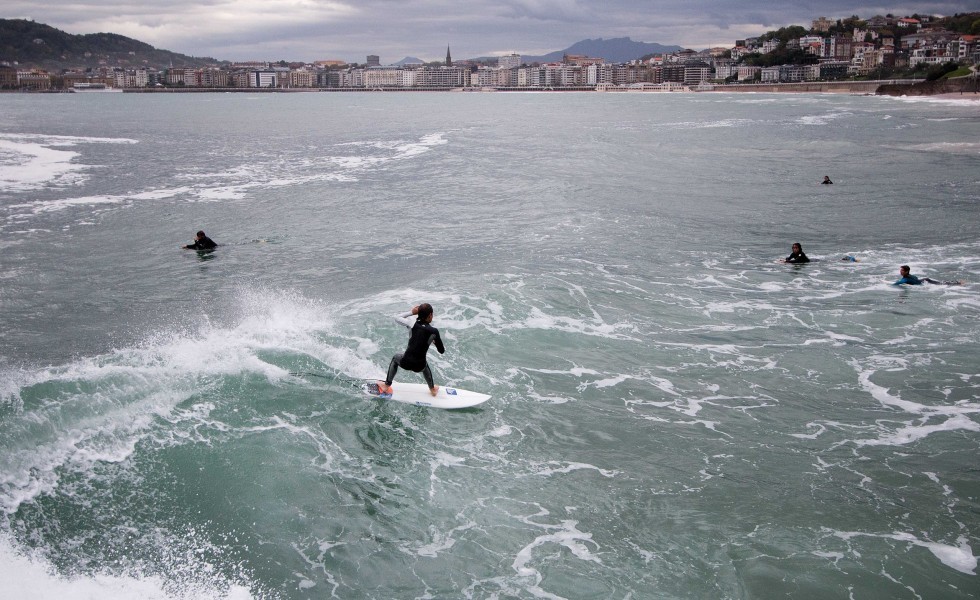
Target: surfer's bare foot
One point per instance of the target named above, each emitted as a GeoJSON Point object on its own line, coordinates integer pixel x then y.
{"type": "Point", "coordinates": [384, 388]}
{"type": "Point", "coordinates": [434, 390]}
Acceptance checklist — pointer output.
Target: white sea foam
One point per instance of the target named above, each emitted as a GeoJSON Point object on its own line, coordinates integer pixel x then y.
{"type": "Point", "coordinates": [64, 140]}
{"type": "Point", "coordinates": [823, 119]}
{"type": "Point", "coordinates": [553, 467]}
{"type": "Point", "coordinates": [549, 399]}
{"type": "Point", "coordinates": [965, 148]}
{"type": "Point", "coordinates": [392, 151]}
{"type": "Point", "coordinates": [441, 540]}
{"type": "Point", "coordinates": [911, 433]}
{"type": "Point", "coordinates": [955, 417]}
{"type": "Point", "coordinates": [564, 535]}
{"type": "Point", "coordinates": [27, 576]}
{"type": "Point", "coordinates": [721, 123]}
{"type": "Point", "coordinates": [28, 166]}
{"type": "Point", "coordinates": [605, 383]}
{"type": "Point", "coordinates": [538, 319]}
{"type": "Point", "coordinates": [959, 557]}
{"type": "Point", "coordinates": [127, 390]}
{"type": "Point", "coordinates": [968, 101]}
{"type": "Point", "coordinates": [56, 205]}
{"type": "Point", "coordinates": [819, 429]}
{"type": "Point", "coordinates": [33, 161]}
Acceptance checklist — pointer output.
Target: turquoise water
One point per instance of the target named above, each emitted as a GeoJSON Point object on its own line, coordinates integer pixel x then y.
{"type": "Point", "coordinates": [675, 414]}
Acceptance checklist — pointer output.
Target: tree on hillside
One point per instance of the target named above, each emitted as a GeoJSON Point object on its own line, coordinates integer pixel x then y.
{"type": "Point", "coordinates": [937, 71]}
{"type": "Point", "coordinates": [781, 56]}
{"type": "Point", "coordinates": [968, 23]}
{"type": "Point", "coordinates": [846, 26]}
{"type": "Point", "coordinates": [784, 34]}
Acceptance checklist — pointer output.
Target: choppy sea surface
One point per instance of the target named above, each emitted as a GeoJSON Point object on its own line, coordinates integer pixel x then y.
{"type": "Point", "coordinates": [675, 414]}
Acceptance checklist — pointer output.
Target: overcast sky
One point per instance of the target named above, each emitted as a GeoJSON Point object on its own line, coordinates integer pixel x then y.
{"type": "Point", "coordinates": [308, 30]}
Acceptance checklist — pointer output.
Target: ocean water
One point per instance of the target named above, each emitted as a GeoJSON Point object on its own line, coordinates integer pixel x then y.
{"type": "Point", "coordinates": [675, 414]}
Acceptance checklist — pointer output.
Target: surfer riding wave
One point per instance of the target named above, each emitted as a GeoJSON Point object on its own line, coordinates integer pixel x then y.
{"type": "Point", "coordinates": [422, 335]}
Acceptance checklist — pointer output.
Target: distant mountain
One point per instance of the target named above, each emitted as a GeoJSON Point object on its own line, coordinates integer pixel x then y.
{"type": "Point", "coordinates": [616, 50]}
{"type": "Point", "coordinates": [410, 60]}
{"type": "Point", "coordinates": [31, 44]}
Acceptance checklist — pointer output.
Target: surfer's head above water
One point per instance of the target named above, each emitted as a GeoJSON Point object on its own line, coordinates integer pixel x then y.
{"type": "Point", "coordinates": [425, 312]}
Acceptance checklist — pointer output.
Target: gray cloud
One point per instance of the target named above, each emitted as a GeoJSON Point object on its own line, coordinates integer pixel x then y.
{"type": "Point", "coordinates": [351, 29]}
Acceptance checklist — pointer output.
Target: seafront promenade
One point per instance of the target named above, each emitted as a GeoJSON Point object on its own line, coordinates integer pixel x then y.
{"type": "Point", "coordinates": [827, 87]}
{"type": "Point", "coordinates": [963, 86]}
{"type": "Point", "coordinates": [836, 87]}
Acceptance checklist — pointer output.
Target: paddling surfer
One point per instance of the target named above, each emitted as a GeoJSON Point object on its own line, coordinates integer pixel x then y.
{"type": "Point", "coordinates": [422, 335]}
{"type": "Point", "coordinates": [797, 255]}
{"type": "Point", "coordinates": [909, 279]}
{"type": "Point", "coordinates": [201, 242]}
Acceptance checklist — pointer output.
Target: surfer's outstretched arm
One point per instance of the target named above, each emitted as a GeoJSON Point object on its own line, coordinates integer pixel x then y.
{"type": "Point", "coordinates": [403, 320]}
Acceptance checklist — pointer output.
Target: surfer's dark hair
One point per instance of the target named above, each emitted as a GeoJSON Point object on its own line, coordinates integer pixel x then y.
{"type": "Point", "coordinates": [425, 311]}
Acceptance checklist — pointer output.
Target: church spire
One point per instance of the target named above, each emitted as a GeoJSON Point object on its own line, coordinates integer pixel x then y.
{"type": "Point", "coordinates": [449, 58]}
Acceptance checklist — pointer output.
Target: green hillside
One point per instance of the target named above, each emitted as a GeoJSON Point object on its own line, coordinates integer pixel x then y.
{"type": "Point", "coordinates": [30, 44]}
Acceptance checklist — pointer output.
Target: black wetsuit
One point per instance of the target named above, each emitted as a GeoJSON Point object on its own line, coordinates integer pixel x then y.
{"type": "Point", "coordinates": [204, 243]}
{"type": "Point", "coordinates": [413, 359]}
{"type": "Point", "coordinates": [797, 257]}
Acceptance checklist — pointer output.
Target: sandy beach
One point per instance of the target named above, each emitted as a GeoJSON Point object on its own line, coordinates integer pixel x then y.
{"type": "Point", "coordinates": [959, 96]}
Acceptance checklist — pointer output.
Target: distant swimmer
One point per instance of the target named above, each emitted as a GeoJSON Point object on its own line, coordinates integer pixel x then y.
{"type": "Point", "coordinates": [909, 279]}
{"type": "Point", "coordinates": [797, 255]}
{"type": "Point", "coordinates": [849, 258]}
{"type": "Point", "coordinates": [422, 335]}
{"type": "Point", "coordinates": [201, 242]}
{"type": "Point", "coordinates": [826, 180]}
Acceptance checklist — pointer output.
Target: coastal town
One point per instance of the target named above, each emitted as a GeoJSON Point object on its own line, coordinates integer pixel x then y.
{"type": "Point", "coordinates": [829, 50]}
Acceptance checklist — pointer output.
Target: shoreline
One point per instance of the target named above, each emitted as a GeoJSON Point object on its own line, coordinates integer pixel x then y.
{"type": "Point", "coordinates": [956, 96]}
{"type": "Point", "coordinates": [899, 88]}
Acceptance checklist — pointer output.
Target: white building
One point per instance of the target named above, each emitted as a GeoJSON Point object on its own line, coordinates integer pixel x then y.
{"type": "Point", "coordinates": [486, 77]}
{"type": "Point", "coordinates": [696, 75]}
{"type": "Point", "coordinates": [599, 74]}
{"type": "Point", "coordinates": [382, 77]}
{"type": "Point", "coordinates": [447, 77]}
{"type": "Point", "coordinates": [769, 75]}
{"type": "Point", "coordinates": [770, 46]}
{"type": "Point", "coordinates": [408, 77]}
{"type": "Point", "coordinates": [262, 79]}
{"type": "Point", "coordinates": [746, 73]}
{"type": "Point", "coordinates": [509, 61]}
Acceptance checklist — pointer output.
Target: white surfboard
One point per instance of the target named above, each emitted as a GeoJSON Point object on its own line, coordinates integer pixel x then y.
{"type": "Point", "coordinates": [418, 394]}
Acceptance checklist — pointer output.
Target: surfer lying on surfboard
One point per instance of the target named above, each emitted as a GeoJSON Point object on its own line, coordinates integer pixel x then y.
{"type": "Point", "coordinates": [423, 334]}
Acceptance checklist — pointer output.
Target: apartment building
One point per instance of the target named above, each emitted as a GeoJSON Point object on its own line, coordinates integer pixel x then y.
{"type": "Point", "coordinates": [747, 73]}
{"type": "Point", "coordinates": [34, 79]}
{"type": "Point", "coordinates": [262, 79]}
{"type": "Point", "coordinates": [8, 77]}
{"type": "Point", "coordinates": [215, 78]}
{"type": "Point", "coordinates": [131, 78]}
{"type": "Point", "coordinates": [442, 77]}
{"type": "Point", "coordinates": [769, 75]}
{"type": "Point", "coordinates": [509, 61]}
{"type": "Point", "coordinates": [382, 77]}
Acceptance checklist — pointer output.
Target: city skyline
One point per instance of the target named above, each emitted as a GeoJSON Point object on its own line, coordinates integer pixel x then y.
{"type": "Point", "coordinates": [309, 30]}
